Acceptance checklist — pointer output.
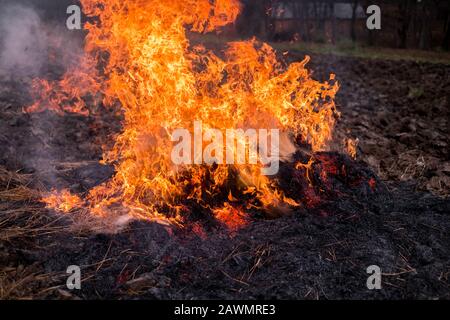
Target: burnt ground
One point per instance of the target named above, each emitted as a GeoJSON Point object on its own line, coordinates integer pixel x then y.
{"type": "Point", "coordinates": [399, 111]}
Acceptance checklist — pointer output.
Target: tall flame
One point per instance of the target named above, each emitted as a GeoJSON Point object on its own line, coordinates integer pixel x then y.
{"type": "Point", "coordinates": [138, 55]}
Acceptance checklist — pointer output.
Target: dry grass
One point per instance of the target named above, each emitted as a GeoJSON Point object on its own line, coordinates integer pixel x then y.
{"type": "Point", "coordinates": [22, 218]}
{"type": "Point", "coordinates": [15, 187]}
{"type": "Point", "coordinates": [23, 221]}
{"type": "Point", "coordinates": [21, 214]}
{"type": "Point", "coordinates": [8, 178]}
{"type": "Point", "coordinates": [22, 282]}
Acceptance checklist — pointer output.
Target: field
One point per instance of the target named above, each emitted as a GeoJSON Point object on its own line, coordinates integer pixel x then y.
{"type": "Point", "coordinates": [397, 108]}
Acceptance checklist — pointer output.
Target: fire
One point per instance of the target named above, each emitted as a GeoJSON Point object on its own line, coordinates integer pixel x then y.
{"type": "Point", "coordinates": [63, 201]}
{"type": "Point", "coordinates": [138, 55]}
{"type": "Point", "coordinates": [351, 146]}
{"type": "Point", "coordinates": [233, 218]}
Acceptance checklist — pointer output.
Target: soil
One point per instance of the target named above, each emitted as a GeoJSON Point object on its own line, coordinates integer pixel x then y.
{"type": "Point", "coordinates": [400, 113]}
{"type": "Point", "coordinates": [398, 110]}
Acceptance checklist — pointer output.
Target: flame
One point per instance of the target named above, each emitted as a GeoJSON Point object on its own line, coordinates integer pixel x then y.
{"type": "Point", "coordinates": [233, 218]}
{"type": "Point", "coordinates": [138, 55]}
{"type": "Point", "coordinates": [63, 201]}
{"type": "Point", "coordinates": [351, 146]}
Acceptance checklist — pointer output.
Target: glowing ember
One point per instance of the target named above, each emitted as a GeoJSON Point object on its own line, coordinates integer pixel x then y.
{"type": "Point", "coordinates": [63, 201]}
{"type": "Point", "coordinates": [232, 218]}
{"type": "Point", "coordinates": [352, 147]}
{"type": "Point", "coordinates": [138, 54]}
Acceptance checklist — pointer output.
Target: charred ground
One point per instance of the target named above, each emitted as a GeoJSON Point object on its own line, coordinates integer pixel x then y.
{"type": "Point", "coordinates": [399, 110]}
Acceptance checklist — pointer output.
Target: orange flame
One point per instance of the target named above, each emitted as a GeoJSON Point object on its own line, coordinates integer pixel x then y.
{"type": "Point", "coordinates": [351, 146]}
{"type": "Point", "coordinates": [63, 201]}
{"type": "Point", "coordinates": [233, 218]}
{"type": "Point", "coordinates": [138, 54]}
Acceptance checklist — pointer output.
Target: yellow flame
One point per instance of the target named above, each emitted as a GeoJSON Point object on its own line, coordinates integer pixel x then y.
{"type": "Point", "coordinates": [138, 54]}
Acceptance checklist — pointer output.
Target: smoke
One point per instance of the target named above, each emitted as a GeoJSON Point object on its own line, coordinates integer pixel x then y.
{"type": "Point", "coordinates": [35, 44]}
{"type": "Point", "coordinates": [23, 55]}
{"type": "Point", "coordinates": [33, 36]}
{"type": "Point", "coordinates": [23, 41]}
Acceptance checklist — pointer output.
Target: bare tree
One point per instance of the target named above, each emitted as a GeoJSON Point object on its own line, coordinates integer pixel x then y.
{"type": "Point", "coordinates": [256, 18]}
{"type": "Point", "coordinates": [405, 11]}
{"type": "Point", "coordinates": [446, 41]}
{"type": "Point", "coordinates": [333, 22]}
{"type": "Point", "coordinates": [353, 23]}
{"type": "Point", "coordinates": [425, 39]}
{"type": "Point", "coordinates": [370, 33]}
{"type": "Point", "coordinates": [301, 12]}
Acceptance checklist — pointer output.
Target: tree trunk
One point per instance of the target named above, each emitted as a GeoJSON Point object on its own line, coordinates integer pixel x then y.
{"type": "Point", "coordinates": [254, 20]}
{"type": "Point", "coordinates": [268, 20]}
{"type": "Point", "coordinates": [333, 24]}
{"type": "Point", "coordinates": [301, 15]}
{"type": "Point", "coordinates": [446, 43]}
{"type": "Point", "coordinates": [425, 33]}
{"type": "Point", "coordinates": [405, 14]}
{"type": "Point", "coordinates": [370, 33]}
{"type": "Point", "coordinates": [353, 26]}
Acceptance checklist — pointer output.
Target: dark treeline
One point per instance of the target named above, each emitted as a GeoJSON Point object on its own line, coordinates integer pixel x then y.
{"type": "Point", "coordinates": [422, 24]}
{"type": "Point", "coordinates": [418, 24]}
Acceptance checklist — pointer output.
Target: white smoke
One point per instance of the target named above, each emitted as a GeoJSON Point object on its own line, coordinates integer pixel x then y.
{"type": "Point", "coordinates": [33, 46]}
{"type": "Point", "coordinates": [23, 44]}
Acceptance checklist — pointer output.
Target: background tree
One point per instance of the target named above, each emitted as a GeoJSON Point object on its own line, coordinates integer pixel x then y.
{"type": "Point", "coordinates": [425, 31]}
{"type": "Point", "coordinates": [446, 41]}
{"type": "Point", "coordinates": [353, 23]}
{"type": "Point", "coordinates": [255, 19]}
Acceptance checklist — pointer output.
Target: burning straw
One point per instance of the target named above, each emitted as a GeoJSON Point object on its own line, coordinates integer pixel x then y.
{"type": "Point", "coordinates": [138, 56]}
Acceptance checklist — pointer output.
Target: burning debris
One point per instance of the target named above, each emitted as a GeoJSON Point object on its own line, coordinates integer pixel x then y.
{"type": "Point", "coordinates": [163, 83]}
